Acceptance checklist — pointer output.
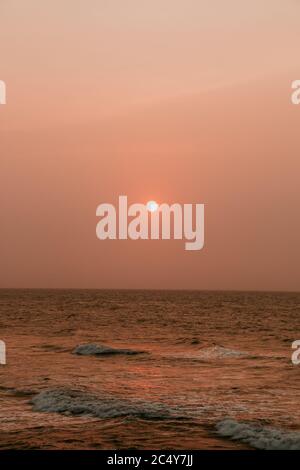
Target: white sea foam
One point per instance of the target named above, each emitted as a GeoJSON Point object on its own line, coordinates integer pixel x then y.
{"type": "Point", "coordinates": [74, 402]}
{"type": "Point", "coordinates": [100, 349]}
{"type": "Point", "coordinates": [260, 437]}
{"type": "Point", "coordinates": [219, 352]}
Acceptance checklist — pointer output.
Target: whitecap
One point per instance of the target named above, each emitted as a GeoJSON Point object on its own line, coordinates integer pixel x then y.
{"type": "Point", "coordinates": [259, 437]}
{"type": "Point", "coordinates": [219, 352]}
{"type": "Point", "coordinates": [75, 402]}
{"type": "Point", "coordinates": [98, 350]}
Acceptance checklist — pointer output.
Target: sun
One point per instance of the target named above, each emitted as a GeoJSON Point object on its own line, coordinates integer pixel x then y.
{"type": "Point", "coordinates": [152, 206]}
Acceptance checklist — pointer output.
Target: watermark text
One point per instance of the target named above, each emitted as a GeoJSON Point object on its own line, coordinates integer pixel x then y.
{"type": "Point", "coordinates": [295, 97]}
{"type": "Point", "coordinates": [2, 353]}
{"type": "Point", "coordinates": [152, 221]}
{"type": "Point", "coordinates": [2, 92]}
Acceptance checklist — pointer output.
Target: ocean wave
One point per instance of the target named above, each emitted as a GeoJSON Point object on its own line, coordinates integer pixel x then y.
{"type": "Point", "coordinates": [259, 437]}
{"type": "Point", "coordinates": [75, 402]}
{"type": "Point", "coordinates": [219, 352]}
{"type": "Point", "coordinates": [11, 391]}
{"type": "Point", "coordinates": [188, 340]}
{"type": "Point", "coordinates": [98, 350]}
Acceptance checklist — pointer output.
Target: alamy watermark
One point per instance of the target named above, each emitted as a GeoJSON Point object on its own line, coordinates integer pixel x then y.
{"type": "Point", "coordinates": [2, 92]}
{"type": "Point", "coordinates": [296, 353]}
{"type": "Point", "coordinates": [152, 221]}
{"type": "Point", "coordinates": [295, 97]}
{"type": "Point", "coordinates": [2, 353]}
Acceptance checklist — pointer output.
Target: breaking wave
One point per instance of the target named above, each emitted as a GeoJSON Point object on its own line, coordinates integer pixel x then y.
{"type": "Point", "coordinates": [74, 402]}
{"type": "Point", "coordinates": [259, 437]}
{"type": "Point", "coordinates": [98, 350]}
{"type": "Point", "coordinates": [218, 352]}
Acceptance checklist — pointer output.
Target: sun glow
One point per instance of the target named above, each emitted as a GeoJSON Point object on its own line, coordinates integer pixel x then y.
{"type": "Point", "coordinates": [152, 206]}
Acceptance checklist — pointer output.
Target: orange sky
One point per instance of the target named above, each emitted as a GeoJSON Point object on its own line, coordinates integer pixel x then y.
{"type": "Point", "coordinates": [173, 101]}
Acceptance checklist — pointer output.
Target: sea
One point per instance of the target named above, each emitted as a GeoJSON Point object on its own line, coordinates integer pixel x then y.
{"type": "Point", "coordinates": [138, 369]}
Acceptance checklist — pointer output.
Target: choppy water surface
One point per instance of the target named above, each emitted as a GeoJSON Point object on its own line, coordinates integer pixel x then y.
{"type": "Point", "coordinates": [91, 369]}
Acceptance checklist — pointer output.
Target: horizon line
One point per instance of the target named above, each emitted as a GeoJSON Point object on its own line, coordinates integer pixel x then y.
{"type": "Point", "coordinates": [156, 289]}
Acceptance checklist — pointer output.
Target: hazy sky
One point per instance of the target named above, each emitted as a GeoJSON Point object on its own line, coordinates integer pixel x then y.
{"type": "Point", "coordinates": [167, 100]}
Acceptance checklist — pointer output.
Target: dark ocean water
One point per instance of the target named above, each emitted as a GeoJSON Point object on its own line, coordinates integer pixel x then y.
{"type": "Point", "coordinates": [92, 369]}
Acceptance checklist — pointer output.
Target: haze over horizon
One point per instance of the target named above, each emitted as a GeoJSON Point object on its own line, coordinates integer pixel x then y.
{"type": "Point", "coordinates": [138, 98]}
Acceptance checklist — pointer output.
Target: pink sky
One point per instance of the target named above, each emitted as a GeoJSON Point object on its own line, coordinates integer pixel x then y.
{"type": "Point", "coordinates": [172, 101]}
